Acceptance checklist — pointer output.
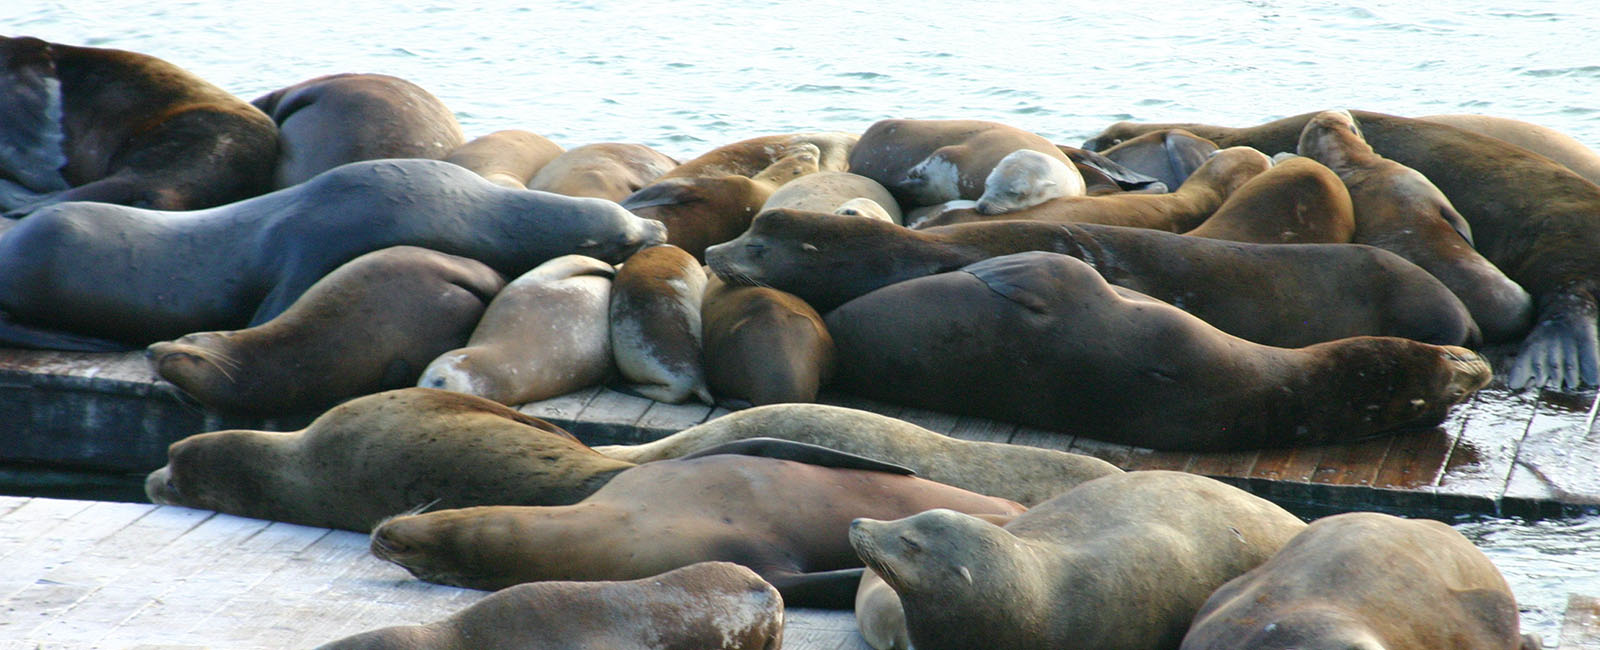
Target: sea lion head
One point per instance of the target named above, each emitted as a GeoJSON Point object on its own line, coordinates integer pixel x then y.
{"type": "Point", "coordinates": [1333, 138]}
{"type": "Point", "coordinates": [1025, 178]}
{"type": "Point", "coordinates": [465, 547]}
{"type": "Point", "coordinates": [795, 250]}
{"type": "Point", "coordinates": [1228, 169]}
{"type": "Point", "coordinates": [614, 233]}
{"type": "Point", "coordinates": [202, 365]}
{"type": "Point", "coordinates": [219, 471]}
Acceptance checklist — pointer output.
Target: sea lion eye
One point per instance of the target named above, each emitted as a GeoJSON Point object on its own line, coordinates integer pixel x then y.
{"type": "Point", "coordinates": [910, 544]}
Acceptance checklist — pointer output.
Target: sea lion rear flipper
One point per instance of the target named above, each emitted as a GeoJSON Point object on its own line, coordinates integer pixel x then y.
{"type": "Point", "coordinates": [800, 452]}
{"type": "Point", "coordinates": [658, 194]}
{"type": "Point", "coordinates": [823, 589]}
{"type": "Point", "coordinates": [1128, 179]}
{"type": "Point", "coordinates": [31, 134]}
{"type": "Point", "coordinates": [1186, 152]}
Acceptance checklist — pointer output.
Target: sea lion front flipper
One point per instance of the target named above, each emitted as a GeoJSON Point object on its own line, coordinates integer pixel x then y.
{"type": "Point", "coordinates": [658, 194]}
{"type": "Point", "coordinates": [800, 452]}
{"type": "Point", "coordinates": [1561, 350]}
{"type": "Point", "coordinates": [1128, 179]}
{"type": "Point", "coordinates": [17, 335]}
{"type": "Point", "coordinates": [824, 589]}
{"type": "Point", "coordinates": [31, 135]}
{"type": "Point", "coordinates": [1016, 278]}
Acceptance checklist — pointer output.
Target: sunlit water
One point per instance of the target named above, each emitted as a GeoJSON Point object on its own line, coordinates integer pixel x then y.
{"type": "Point", "coordinates": [686, 76]}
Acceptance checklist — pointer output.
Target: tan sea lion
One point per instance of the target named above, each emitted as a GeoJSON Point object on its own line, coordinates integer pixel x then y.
{"type": "Point", "coordinates": [762, 346]}
{"type": "Point", "coordinates": [702, 211]}
{"type": "Point", "coordinates": [1121, 562]}
{"type": "Point", "coordinates": [705, 606]}
{"type": "Point", "coordinates": [606, 170]}
{"type": "Point", "coordinates": [750, 157]}
{"type": "Point", "coordinates": [341, 118]}
{"type": "Point", "coordinates": [373, 323]}
{"type": "Point", "coordinates": [925, 162]}
{"type": "Point", "coordinates": [1045, 341]}
{"type": "Point", "coordinates": [1541, 140]}
{"type": "Point", "coordinates": [509, 157]}
{"type": "Point", "coordinates": [546, 333]}
{"type": "Point", "coordinates": [1365, 580]}
{"type": "Point", "coordinates": [1397, 209]}
{"type": "Point", "coordinates": [827, 191]}
{"type": "Point", "coordinates": [879, 614]}
{"type": "Point", "coordinates": [1169, 156]}
{"type": "Point", "coordinates": [1297, 201]}
{"type": "Point", "coordinates": [655, 324]}
{"type": "Point", "coordinates": [863, 207]}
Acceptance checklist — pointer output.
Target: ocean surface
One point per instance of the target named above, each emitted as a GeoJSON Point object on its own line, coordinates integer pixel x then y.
{"type": "Point", "coordinates": [688, 76]}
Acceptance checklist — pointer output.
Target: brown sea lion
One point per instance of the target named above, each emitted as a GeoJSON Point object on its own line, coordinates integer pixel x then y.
{"type": "Point", "coordinates": [655, 324]}
{"type": "Point", "coordinates": [925, 162]}
{"type": "Point", "coordinates": [94, 124]}
{"type": "Point", "coordinates": [1041, 339]}
{"type": "Point", "coordinates": [1365, 580]}
{"type": "Point", "coordinates": [1121, 562]}
{"type": "Point", "coordinates": [381, 455]}
{"type": "Point", "coordinates": [1200, 195]}
{"type": "Point", "coordinates": [700, 211]}
{"type": "Point", "coordinates": [509, 158]}
{"type": "Point", "coordinates": [1169, 156]}
{"type": "Point", "coordinates": [1287, 295]}
{"type": "Point", "coordinates": [605, 170]}
{"type": "Point", "coordinates": [342, 118]}
{"type": "Point", "coordinates": [663, 515]}
{"type": "Point", "coordinates": [546, 333]}
{"type": "Point", "coordinates": [826, 191]}
{"type": "Point", "coordinates": [1297, 201]}
{"type": "Point", "coordinates": [762, 346]}
{"type": "Point", "coordinates": [1536, 220]}
{"type": "Point", "coordinates": [750, 157]}
{"type": "Point", "coordinates": [705, 606]}
{"type": "Point", "coordinates": [1541, 140]}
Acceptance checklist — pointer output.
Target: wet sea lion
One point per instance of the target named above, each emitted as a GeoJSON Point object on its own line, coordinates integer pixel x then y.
{"type": "Point", "coordinates": [1119, 562]}
{"type": "Point", "coordinates": [1283, 294]}
{"type": "Point", "coordinates": [1169, 156]}
{"type": "Point", "coordinates": [1536, 220]}
{"type": "Point", "coordinates": [750, 157]}
{"type": "Point", "coordinates": [1365, 580]}
{"type": "Point", "coordinates": [160, 275]}
{"type": "Point", "coordinates": [705, 606]}
{"type": "Point", "coordinates": [762, 346]}
{"type": "Point", "coordinates": [96, 124]}
{"type": "Point", "coordinates": [509, 158]}
{"type": "Point", "coordinates": [655, 324]}
{"type": "Point", "coordinates": [925, 162]}
{"type": "Point", "coordinates": [342, 118]}
{"type": "Point", "coordinates": [605, 170]}
{"type": "Point", "coordinates": [546, 333]}
{"type": "Point", "coordinates": [1045, 341]}
{"type": "Point", "coordinates": [663, 515]}
{"type": "Point", "coordinates": [827, 191]}
{"type": "Point", "coordinates": [700, 211]}
{"type": "Point", "coordinates": [371, 324]}
{"type": "Point", "coordinates": [1297, 201]}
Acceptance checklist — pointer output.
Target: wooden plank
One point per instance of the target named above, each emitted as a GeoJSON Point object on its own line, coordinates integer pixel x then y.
{"type": "Point", "coordinates": [935, 421]}
{"type": "Point", "coordinates": [661, 419]}
{"type": "Point", "coordinates": [1229, 464]}
{"type": "Point", "coordinates": [561, 409]}
{"type": "Point", "coordinates": [982, 429]}
{"type": "Point", "coordinates": [35, 586]}
{"type": "Point", "coordinates": [1035, 437]}
{"type": "Point", "coordinates": [1480, 463]}
{"type": "Point", "coordinates": [1285, 474]}
{"type": "Point", "coordinates": [1352, 463]}
{"type": "Point", "coordinates": [1557, 459]}
{"type": "Point", "coordinates": [32, 519]}
{"type": "Point", "coordinates": [848, 400]}
{"type": "Point", "coordinates": [1119, 455]}
{"type": "Point", "coordinates": [1140, 458]}
{"type": "Point", "coordinates": [1580, 630]}
{"type": "Point", "coordinates": [610, 418]}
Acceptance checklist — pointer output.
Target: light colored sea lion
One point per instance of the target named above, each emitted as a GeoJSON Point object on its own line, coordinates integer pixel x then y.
{"type": "Point", "coordinates": [655, 324]}
{"type": "Point", "coordinates": [372, 324]}
{"type": "Point", "coordinates": [1536, 220]}
{"type": "Point", "coordinates": [1297, 201]}
{"type": "Point", "coordinates": [1121, 562]}
{"type": "Point", "coordinates": [666, 514]}
{"type": "Point", "coordinates": [1397, 209]}
{"type": "Point", "coordinates": [705, 606]}
{"type": "Point", "coordinates": [605, 170]}
{"type": "Point", "coordinates": [1170, 155]}
{"type": "Point", "coordinates": [509, 158]}
{"type": "Point", "coordinates": [1288, 295]}
{"type": "Point", "coordinates": [546, 333]}
{"type": "Point", "coordinates": [342, 118]}
{"type": "Point", "coordinates": [750, 157]}
{"type": "Point", "coordinates": [864, 207]}
{"type": "Point", "coordinates": [94, 124]}
{"type": "Point", "coordinates": [1045, 341]}
{"type": "Point", "coordinates": [1027, 475]}
{"type": "Point", "coordinates": [381, 455]}
{"type": "Point", "coordinates": [827, 191]}
{"type": "Point", "coordinates": [1201, 194]}
{"type": "Point", "coordinates": [763, 346]}
{"type": "Point", "coordinates": [160, 275]}
{"type": "Point", "coordinates": [925, 162]}
{"type": "Point", "coordinates": [1541, 140]}
{"type": "Point", "coordinates": [1368, 581]}
{"type": "Point", "coordinates": [700, 211]}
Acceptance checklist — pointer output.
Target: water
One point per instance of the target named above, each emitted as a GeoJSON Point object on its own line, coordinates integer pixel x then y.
{"type": "Point", "coordinates": [687, 76]}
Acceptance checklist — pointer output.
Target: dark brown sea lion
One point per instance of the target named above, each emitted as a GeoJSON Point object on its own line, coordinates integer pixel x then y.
{"type": "Point", "coordinates": [655, 324]}
{"type": "Point", "coordinates": [1121, 562]}
{"type": "Point", "coordinates": [926, 162]}
{"type": "Point", "coordinates": [606, 170]}
{"type": "Point", "coordinates": [749, 157]}
{"type": "Point", "coordinates": [705, 606]}
{"type": "Point", "coordinates": [1367, 581]}
{"type": "Point", "coordinates": [94, 124]}
{"type": "Point", "coordinates": [763, 346]}
{"type": "Point", "coordinates": [1536, 220]}
{"type": "Point", "coordinates": [1298, 201]}
{"type": "Point", "coordinates": [160, 275]}
{"type": "Point", "coordinates": [1169, 156]}
{"type": "Point", "coordinates": [1288, 295]}
{"type": "Point", "coordinates": [1042, 340]}
{"type": "Point", "coordinates": [663, 515]}
{"type": "Point", "coordinates": [510, 157]}
{"type": "Point", "coordinates": [342, 118]}
{"type": "Point", "coordinates": [700, 211]}
{"type": "Point", "coordinates": [1541, 140]}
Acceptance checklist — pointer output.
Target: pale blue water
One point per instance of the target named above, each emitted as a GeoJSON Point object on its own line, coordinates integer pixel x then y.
{"type": "Point", "coordinates": [686, 76]}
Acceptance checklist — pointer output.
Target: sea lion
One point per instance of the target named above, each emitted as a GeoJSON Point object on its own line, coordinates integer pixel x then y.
{"type": "Point", "coordinates": [1536, 220]}
{"type": "Point", "coordinates": [380, 455]}
{"type": "Point", "coordinates": [160, 275]}
{"type": "Point", "coordinates": [606, 170]}
{"type": "Point", "coordinates": [547, 333]}
{"type": "Point", "coordinates": [1289, 295]}
{"type": "Point", "coordinates": [95, 124]}
{"type": "Point", "coordinates": [371, 324]}
{"type": "Point", "coordinates": [663, 515]}
{"type": "Point", "coordinates": [762, 346]}
{"type": "Point", "coordinates": [655, 324]}
{"type": "Point", "coordinates": [864, 207]}
{"type": "Point", "coordinates": [925, 162]}
{"type": "Point", "coordinates": [1541, 140]}
{"type": "Point", "coordinates": [827, 191]}
{"type": "Point", "coordinates": [1102, 175]}
{"type": "Point", "coordinates": [700, 211]}
{"type": "Point", "coordinates": [1041, 339]}
{"type": "Point", "coordinates": [342, 118]}
{"type": "Point", "coordinates": [1200, 195]}
{"type": "Point", "coordinates": [1169, 156]}
{"type": "Point", "coordinates": [749, 157]}
{"type": "Point", "coordinates": [1026, 178]}
{"type": "Point", "coordinates": [1297, 201]}
{"type": "Point", "coordinates": [880, 617]}
{"type": "Point", "coordinates": [1119, 562]}
{"type": "Point", "coordinates": [705, 606]}
{"type": "Point", "coordinates": [1397, 209]}
{"type": "Point", "coordinates": [1364, 580]}
{"type": "Point", "coordinates": [1027, 475]}
{"type": "Point", "coordinates": [509, 157]}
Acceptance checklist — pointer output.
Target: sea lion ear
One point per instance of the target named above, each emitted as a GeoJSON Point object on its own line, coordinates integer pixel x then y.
{"type": "Point", "coordinates": [965, 574]}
